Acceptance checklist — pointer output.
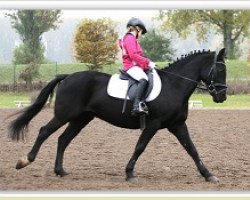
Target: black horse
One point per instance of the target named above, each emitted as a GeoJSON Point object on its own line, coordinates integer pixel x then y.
{"type": "Point", "coordinates": [83, 95]}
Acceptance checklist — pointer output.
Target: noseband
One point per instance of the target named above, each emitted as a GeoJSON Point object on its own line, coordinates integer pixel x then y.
{"type": "Point", "coordinates": [211, 87]}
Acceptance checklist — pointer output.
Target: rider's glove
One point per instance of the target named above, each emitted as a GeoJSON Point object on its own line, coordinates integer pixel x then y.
{"type": "Point", "coordinates": [151, 65]}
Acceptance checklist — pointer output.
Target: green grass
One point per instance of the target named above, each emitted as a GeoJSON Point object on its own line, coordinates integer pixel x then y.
{"type": "Point", "coordinates": [48, 71]}
{"type": "Point", "coordinates": [236, 101]}
{"type": "Point", "coordinates": [233, 101]}
{"type": "Point", "coordinates": [7, 99]}
{"type": "Point", "coordinates": [236, 70]}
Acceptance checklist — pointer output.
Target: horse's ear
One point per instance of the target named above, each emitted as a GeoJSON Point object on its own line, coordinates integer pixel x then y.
{"type": "Point", "coordinates": [221, 55]}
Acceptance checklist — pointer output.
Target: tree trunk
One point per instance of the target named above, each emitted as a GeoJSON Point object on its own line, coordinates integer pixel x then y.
{"type": "Point", "coordinates": [29, 84]}
{"type": "Point", "coordinates": [229, 43]}
{"type": "Point", "coordinates": [230, 47]}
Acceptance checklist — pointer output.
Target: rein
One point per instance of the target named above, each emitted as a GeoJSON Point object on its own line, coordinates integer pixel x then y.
{"type": "Point", "coordinates": [180, 76]}
{"type": "Point", "coordinates": [211, 87]}
{"type": "Point", "coordinates": [186, 78]}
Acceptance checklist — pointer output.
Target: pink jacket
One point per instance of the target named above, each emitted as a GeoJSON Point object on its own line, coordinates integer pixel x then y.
{"type": "Point", "coordinates": [132, 53]}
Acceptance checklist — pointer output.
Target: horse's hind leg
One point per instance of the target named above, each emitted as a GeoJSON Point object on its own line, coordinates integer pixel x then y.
{"type": "Point", "coordinates": [181, 132]}
{"type": "Point", "coordinates": [74, 127]}
{"type": "Point", "coordinates": [44, 133]}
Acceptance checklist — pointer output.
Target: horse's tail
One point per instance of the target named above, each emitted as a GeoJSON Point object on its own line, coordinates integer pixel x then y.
{"type": "Point", "coordinates": [18, 126]}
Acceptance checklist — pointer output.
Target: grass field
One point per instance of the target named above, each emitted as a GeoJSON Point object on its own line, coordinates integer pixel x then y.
{"type": "Point", "coordinates": [236, 101]}
{"type": "Point", "coordinates": [48, 71]}
{"type": "Point", "coordinates": [233, 101]}
{"type": "Point", "coordinates": [236, 70]}
{"type": "Point", "coordinates": [7, 99]}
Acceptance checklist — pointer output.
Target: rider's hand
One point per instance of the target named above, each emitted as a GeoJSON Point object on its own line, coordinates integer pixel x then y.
{"type": "Point", "coordinates": [151, 65]}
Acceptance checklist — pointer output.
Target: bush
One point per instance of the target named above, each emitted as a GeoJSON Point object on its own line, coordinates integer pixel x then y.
{"type": "Point", "coordinates": [29, 73]}
{"type": "Point", "coordinates": [23, 54]}
{"type": "Point", "coordinates": [95, 43]}
{"type": "Point", "coordinates": [157, 47]}
{"type": "Point", "coordinates": [238, 86]}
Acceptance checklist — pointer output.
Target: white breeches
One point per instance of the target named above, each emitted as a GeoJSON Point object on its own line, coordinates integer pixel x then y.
{"type": "Point", "coordinates": [137, 73]}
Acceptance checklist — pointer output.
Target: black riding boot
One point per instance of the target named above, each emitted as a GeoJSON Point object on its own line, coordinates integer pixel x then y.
{"type": "Point", "coordinates": [139, 107]}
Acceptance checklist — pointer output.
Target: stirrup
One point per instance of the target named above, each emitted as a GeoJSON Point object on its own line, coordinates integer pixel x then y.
{"type": "Point", "coordinates": [143, 109]}
{"type": "Point", "coordinates": [140, 109]}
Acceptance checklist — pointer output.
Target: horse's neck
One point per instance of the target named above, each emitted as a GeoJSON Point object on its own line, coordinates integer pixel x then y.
{"type": "Point", "coordinates": [193, 65]}
{"type": "Point", "coordinates": [190, 74]}
{"type": "Point", "coordinates": [190, 70]}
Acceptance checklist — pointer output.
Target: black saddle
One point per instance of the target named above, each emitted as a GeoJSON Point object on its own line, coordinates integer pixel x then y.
{"type": "Point", "coordinates": [133, 84]}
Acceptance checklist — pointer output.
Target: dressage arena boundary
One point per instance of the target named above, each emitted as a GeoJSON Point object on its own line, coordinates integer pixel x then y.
{"type": "Point", "coordinates": [195, 104]}
{"type": "Point", "coordinates": [22, 103]}
{"type": "Point", "coordinates": [191, 103]}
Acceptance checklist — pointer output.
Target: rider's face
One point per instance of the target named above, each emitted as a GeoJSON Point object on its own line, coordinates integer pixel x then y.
{"type": "Point", "coordinates": [139, 32]}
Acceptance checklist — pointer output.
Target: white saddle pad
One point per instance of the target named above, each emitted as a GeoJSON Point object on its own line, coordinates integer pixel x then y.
{"type": "Point", "coordinates": [118, 88]}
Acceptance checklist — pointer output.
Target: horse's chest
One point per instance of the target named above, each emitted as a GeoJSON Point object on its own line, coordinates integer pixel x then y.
{"type": "Point", "coordinates": [175, 114]}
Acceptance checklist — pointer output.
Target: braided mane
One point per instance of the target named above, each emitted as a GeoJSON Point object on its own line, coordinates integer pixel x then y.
{"type": "Point", "coordinates": [186, 57]}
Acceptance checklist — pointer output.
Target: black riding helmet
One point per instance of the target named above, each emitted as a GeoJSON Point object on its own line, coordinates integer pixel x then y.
{"type": "Point", "coordinates": [137, 22]}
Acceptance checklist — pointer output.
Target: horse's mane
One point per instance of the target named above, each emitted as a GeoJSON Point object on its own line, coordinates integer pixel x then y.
{"type": "Point", "coordinates": [186, 58]}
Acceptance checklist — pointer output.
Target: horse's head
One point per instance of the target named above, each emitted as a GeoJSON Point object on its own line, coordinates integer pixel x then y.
{"type": "Point", "coordinates": [216, 78]}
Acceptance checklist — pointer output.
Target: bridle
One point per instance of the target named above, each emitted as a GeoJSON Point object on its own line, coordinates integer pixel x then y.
{"type": "Point", "coordinates": [211, 86]}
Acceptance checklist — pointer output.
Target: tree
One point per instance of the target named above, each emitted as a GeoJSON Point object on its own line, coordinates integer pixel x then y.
{"type": "Point", "coordinates": [233, 25]}
{"type": "Point", "coordinates": [29, 73]}
{"type": "Point", "coordinates": [30, 25]}
{"type": "Point", "coordinates": [95, 43]}
{"type": "Point", "coordinates": [157, 46]}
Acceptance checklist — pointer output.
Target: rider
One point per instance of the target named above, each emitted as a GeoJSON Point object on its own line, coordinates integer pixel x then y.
{"type": "Point", "coordinates": [134, 63]}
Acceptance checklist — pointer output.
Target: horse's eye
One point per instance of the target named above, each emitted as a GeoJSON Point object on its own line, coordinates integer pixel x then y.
{"type": "Point", "coordinates": [220, 67]}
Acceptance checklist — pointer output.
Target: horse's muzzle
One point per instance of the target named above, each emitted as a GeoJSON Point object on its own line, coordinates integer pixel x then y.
{"type": "Point", "coordinates": [220, 96]}
{"type": "Point", "coordinates": [218, 91]}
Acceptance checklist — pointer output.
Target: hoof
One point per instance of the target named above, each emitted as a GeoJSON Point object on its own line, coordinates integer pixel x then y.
{"type": "Point", "coordinates": [132, 179]}
{"type": "Point", "coordinates": [212, 179]}
{"type": "Point", "coordinates": [19, 165]}
{"type": "Point", "coordinates": [22, 163]}
{"type": "Point", "coordinates": [61, 173]}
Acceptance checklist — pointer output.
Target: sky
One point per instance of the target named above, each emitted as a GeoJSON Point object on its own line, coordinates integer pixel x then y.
{"type": "Point", "coordinates": [123, 15]}
{"type": "Point", "coordinates": [74, 16]}
{"type": "Point", "coordinates": [113, 14]}
{"type": "Point", "coordinates": [119, 16]}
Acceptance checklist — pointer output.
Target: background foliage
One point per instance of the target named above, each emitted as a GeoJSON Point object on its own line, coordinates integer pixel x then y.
{"type": "Point", "coordinates": [157, 47]}
{"type": "Point", "coordinates": [232, 25]}
{"type": "Point", "coordinates": [238, 73]}
{"type": "Point", "coordinates": [95, 43]}
{"type": "Point", "coordinates": [30, 25]}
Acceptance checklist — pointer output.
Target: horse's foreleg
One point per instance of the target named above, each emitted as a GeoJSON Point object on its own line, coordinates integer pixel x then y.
{"type": "Point", "coordinates": [44, 133]}
{"type": "Point", "coordinates": [144, 139]}
{"type": "Point", "coordinates": [181, 132]}
{"type": "Point", "coordinates": [68, 135]}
